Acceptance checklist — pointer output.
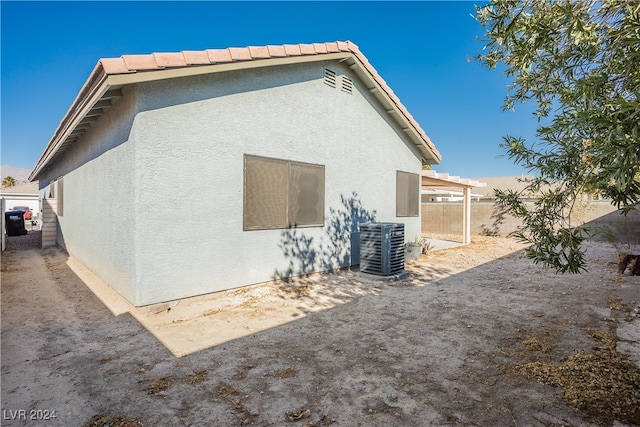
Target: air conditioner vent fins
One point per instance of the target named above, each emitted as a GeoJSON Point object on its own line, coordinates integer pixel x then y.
{"type": "Point", "coordinates": [382, 248]}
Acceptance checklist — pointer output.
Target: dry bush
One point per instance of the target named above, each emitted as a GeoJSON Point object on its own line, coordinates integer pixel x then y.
{"type": "Point", "coordinates": [602, 384]}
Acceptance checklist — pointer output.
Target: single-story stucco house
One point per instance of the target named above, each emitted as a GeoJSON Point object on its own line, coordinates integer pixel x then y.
{"type": "Point", "coordinates": [180, 174]}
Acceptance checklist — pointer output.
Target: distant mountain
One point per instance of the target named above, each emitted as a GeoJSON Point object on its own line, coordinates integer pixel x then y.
{"type": "Point", "coordinates": [21, 175]}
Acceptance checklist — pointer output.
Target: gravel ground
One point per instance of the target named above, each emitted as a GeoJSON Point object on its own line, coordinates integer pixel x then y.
{"type": "Point", "coordinates": [439, 347]}
{"type": "Point", "coordinates": [32, 240]}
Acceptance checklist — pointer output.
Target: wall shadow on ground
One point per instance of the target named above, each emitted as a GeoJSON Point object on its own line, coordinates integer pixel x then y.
{"type": "Point", "coordinates": [338, 247]}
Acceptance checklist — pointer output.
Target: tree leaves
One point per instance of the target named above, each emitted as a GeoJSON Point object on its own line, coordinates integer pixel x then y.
{"type": "Point", "coordinates": [8, 181]}
{"type": "Point", "coordinates": [579, 62]}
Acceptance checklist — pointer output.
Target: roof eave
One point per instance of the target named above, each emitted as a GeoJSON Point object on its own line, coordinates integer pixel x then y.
{"type": "Point", "coordinates": [421, 141]}
{"type": "Point", "coordinates": [384, 94]}
{"type": "Point", "coordinates": [99, 83]}
{"type": "Point", "coordinates": [108, 75]}
{"type": "Point", "coordinates": [90, 93]}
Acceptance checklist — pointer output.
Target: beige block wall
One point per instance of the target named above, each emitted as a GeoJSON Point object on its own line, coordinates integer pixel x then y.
{"type": "Point", "coordinates": [487, 218]}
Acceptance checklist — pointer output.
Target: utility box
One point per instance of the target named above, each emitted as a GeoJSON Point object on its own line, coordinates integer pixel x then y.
{"type": "Point", "coordinates": [382, 248]}
{"type": "Point", "coordinates": [14, 223]}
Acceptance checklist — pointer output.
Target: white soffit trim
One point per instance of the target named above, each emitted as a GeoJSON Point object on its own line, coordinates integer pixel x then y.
{"type": "Point", "coordinates": [431, 178]}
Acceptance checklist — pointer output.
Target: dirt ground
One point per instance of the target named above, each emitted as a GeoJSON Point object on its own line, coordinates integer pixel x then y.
{"type": "Point", "coordinates": [442, 346]}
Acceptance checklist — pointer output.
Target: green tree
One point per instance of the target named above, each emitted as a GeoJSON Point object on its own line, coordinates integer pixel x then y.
{"type": "Point", "coordinates": [579, 62]}
{"type": "Point", "coordinates": [8, 181]}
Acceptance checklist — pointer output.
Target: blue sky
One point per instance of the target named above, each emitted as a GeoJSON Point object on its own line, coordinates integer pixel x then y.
{"type": "Point", "coordinates": [420, 49]}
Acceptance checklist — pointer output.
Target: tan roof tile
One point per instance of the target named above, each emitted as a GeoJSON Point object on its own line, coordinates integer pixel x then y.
{"type": "Point", "coordinates": [332, 47]}
{"type": "Point", "coordinates": [259, 52]}
{"type": "Point", "coordinates": [307, 49]}
{"type": "Point", "coordinates": [343, 46]}
{"type": "Point", "coordinates": [170, 59]}
{"type": "Point", "coordinates": [114, 66]}
{"type": "Point", "coordinates": [240, 54]}
{"type": "Point", "coordinates": [320, 47]}
{"type": "Point", "coordinates": [277, 51]}
{"type": "Point", "coordinates": [196, 57]}
{"type": "Point", "coordinates": [217, 56]}
{"type": "Point", "coordinates": [292, 49]}
{"type": "Point", "coordinates": [140, 62]}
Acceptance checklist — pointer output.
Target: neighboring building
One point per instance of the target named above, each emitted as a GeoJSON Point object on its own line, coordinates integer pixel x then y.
{"type": "Point", "coordinates": [179, 174]}
{"type": "Point", "coordinates": [22, 195]}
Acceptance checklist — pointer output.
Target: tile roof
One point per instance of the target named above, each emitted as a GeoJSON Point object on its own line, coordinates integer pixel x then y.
{"type": "Point", "coordinates": [186, 58]}
{"type": "Point", "coordinates": [95, 88]}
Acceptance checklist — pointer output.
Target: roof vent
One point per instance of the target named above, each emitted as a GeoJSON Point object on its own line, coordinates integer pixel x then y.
{"type": "Point", "coordinates": [330, 77]}
{"type": "Point", "coordinates": [347, 84]}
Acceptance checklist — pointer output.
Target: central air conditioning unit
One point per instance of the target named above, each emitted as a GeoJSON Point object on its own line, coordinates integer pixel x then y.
{"type": "Point", "coordinates": [382, 248]}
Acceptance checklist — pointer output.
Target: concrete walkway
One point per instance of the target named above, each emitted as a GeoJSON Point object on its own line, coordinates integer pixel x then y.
{"type": "Point", "coordinates": [438, 244]}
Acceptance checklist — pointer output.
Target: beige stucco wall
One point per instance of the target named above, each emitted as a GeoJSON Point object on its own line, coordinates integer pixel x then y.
{"type": "Point", "coordinates": [190, 144]}
{"type": "Point", "coordinates": [97, 225]}
{"type": "Point", "coordinates": [487, 219]}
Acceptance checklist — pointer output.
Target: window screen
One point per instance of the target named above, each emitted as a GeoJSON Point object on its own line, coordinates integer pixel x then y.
{"type": "Point", "coordinates": [407, 194]}
{"type": "Point", "coordinates": [265, 193]}
{"type": "Point", "coordinates": [282, 193]}
{"type": "Point", "coordinates": [58, 194]}
{"type": "Point", "coordinates": [307, 195]}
